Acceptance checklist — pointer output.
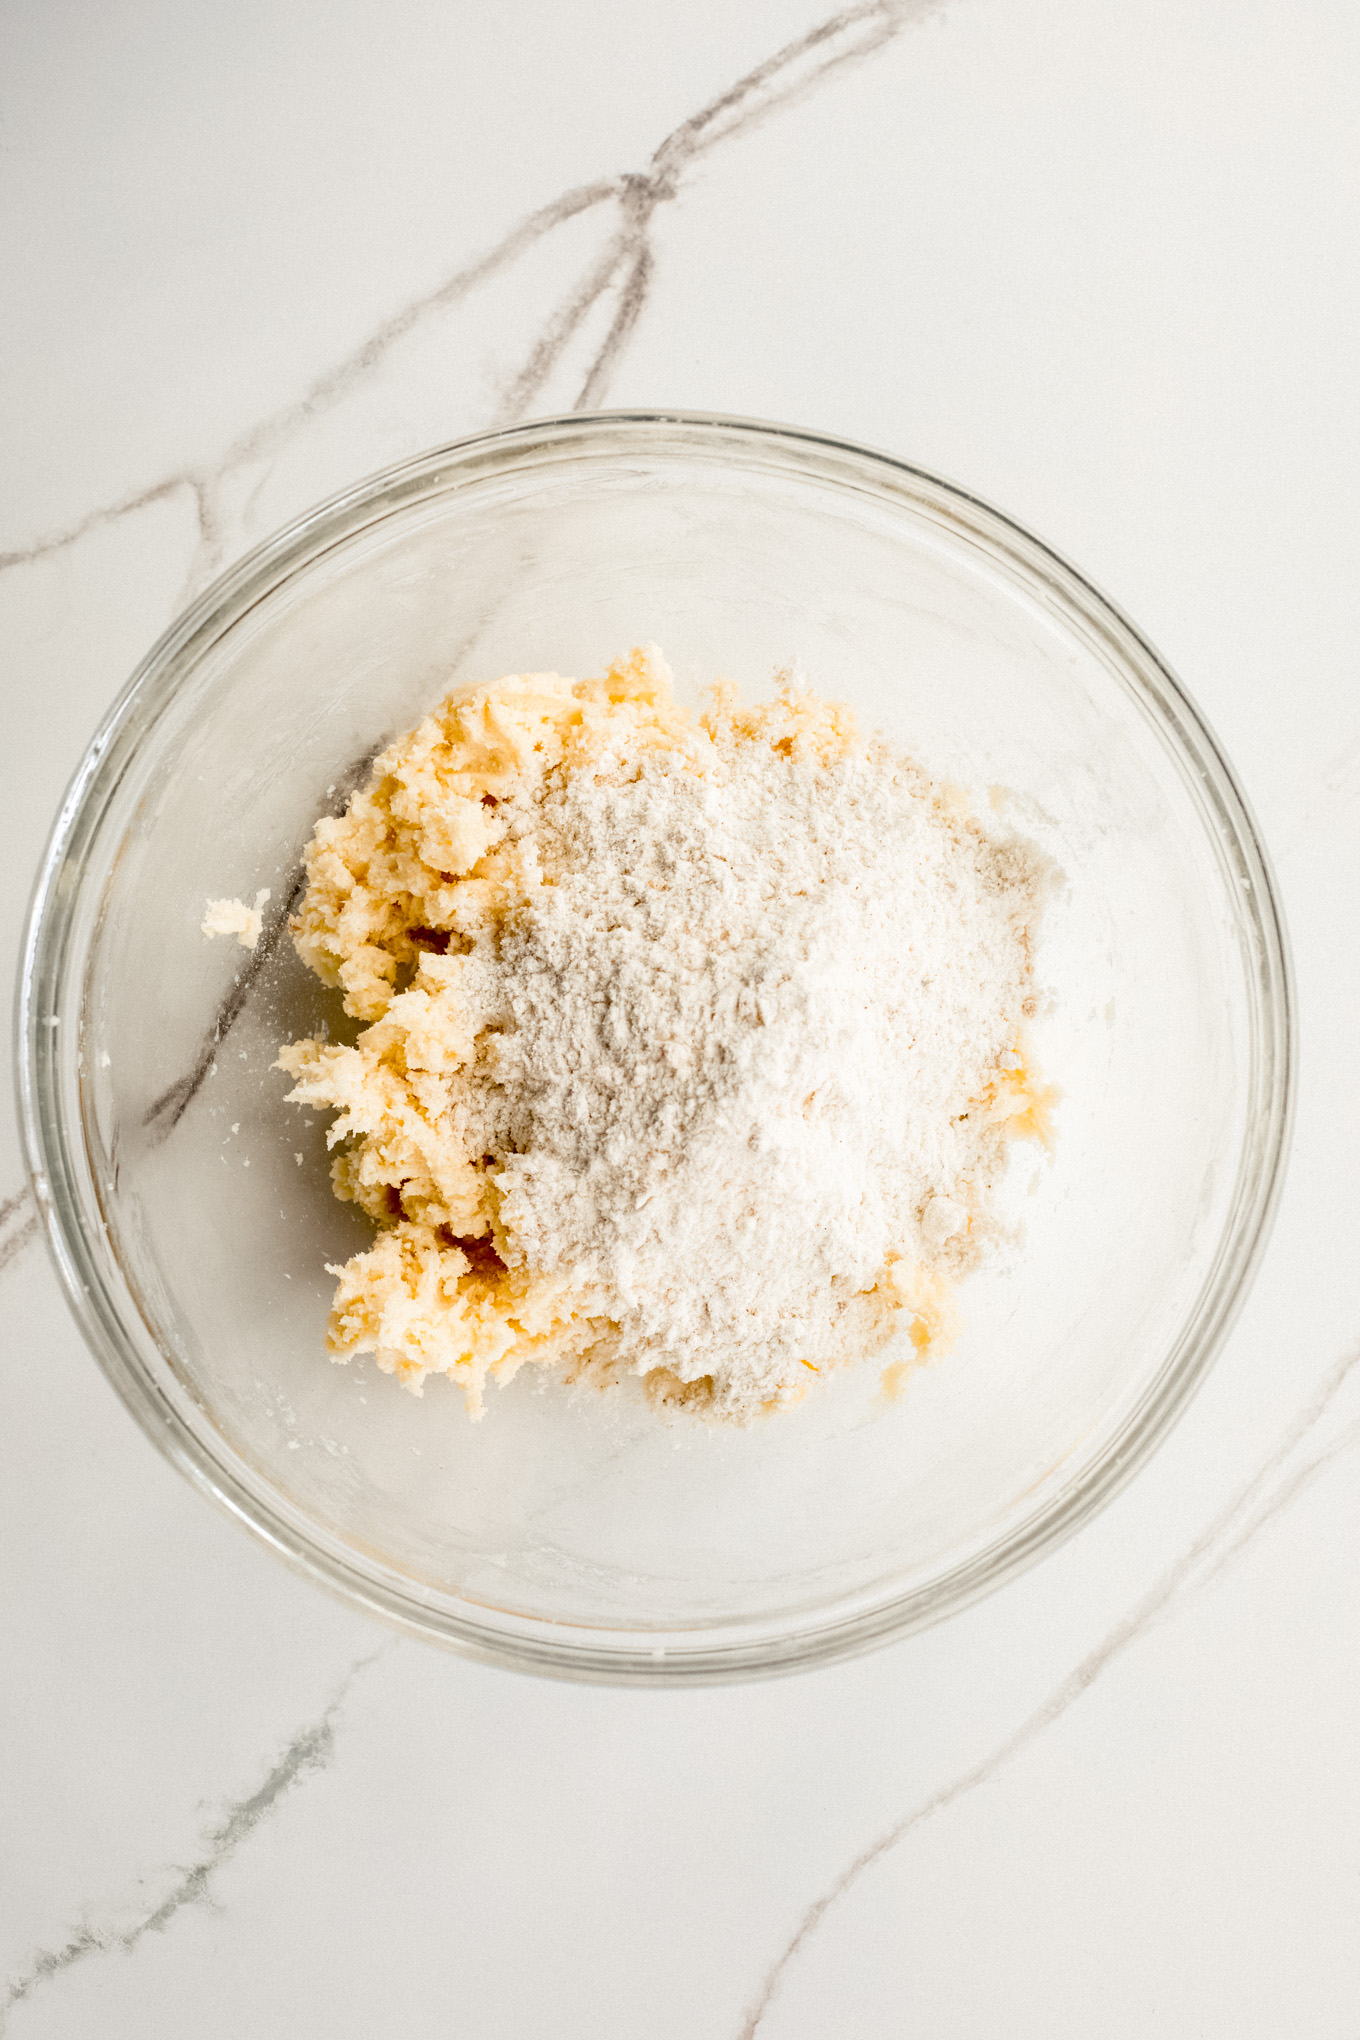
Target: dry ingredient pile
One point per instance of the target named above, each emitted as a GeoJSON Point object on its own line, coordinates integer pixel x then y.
{"type": "Point", "coordinates": [693, 1049]}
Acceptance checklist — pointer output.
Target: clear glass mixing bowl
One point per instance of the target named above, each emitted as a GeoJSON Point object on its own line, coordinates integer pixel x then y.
{"type": "Point", "coordinates": [566, 1533]}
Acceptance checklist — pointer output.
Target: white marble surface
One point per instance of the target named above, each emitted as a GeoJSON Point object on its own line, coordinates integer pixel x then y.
{"type": "Point", "coordinates": [1099, 264]}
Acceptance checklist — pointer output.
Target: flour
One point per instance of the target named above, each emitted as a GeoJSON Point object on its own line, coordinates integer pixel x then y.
{"type": "Point", "coordinates": [738, 1069]}
{"type": "Point", "coordinates": [750, 1014]}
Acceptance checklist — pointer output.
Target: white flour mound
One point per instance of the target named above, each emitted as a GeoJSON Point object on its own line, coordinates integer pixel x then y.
{"type": "Point", "coordinates": [749, 1017]}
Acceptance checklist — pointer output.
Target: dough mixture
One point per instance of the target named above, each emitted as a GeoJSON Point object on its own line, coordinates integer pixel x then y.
{"type": "Point", "coordinates": [692, 1049]}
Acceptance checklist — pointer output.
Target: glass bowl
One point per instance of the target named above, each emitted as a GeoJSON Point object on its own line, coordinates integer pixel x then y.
{"type": "Point", "coordinates": [189, 1208]}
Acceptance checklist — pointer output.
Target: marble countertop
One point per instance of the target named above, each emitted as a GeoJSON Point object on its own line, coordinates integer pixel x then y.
{"type": "Point", "coordinates": [1098, 264]}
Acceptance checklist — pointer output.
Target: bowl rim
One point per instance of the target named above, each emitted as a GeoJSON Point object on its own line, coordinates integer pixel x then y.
{"type": "Point", "coordinates": [87, 1267]}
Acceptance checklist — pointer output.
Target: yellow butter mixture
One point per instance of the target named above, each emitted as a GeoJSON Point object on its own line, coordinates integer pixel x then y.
{"type": "Point", "coordinates": [692, 1046]}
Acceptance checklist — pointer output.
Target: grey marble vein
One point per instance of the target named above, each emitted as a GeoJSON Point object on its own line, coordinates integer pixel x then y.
{"type": "Point", "coordinates": [22, 1237]}
{"type": "Point", "coordinates": [172, 1104]}
{"type": "Point", "coordinates": [204, 483]}
{"type": "Point", "coordinates": [17, 1238]}
{"type": "Point", "coordinates": [310, 1750]}
{"type": "Point", "coordinates": [18, 1225]}
{"type": "Point", "coordinates": [1260, 1501]}
{"type": "Point", "coordinates": [781, 80]}
{"type": "Point", "coordinates": [629, 261]}
{"type": "Point", "coordinates": [637, 284]}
